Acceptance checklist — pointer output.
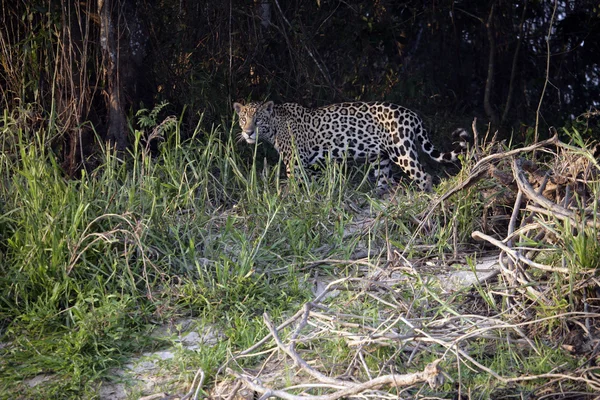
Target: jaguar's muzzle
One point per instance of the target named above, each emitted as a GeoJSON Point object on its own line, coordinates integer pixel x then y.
{"type": "Point", "coordinates": [249, 136]}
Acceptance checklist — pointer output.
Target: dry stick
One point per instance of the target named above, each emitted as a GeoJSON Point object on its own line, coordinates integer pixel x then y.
{"type": "Point", "coordinates": [301, 325]}
{"type": "Point", "coordinates": [427, 338]}
{"type": "Point", "coordinates": [540, 235]}
{"type": "Point", "coordinates": [550, 213]}
{"type": "Point", "coordinates": [513, 218]}
{"type": "Point", "coordinates": [519, 273]}
{"type": "Point", "coordinates": [298, 360]}
{"type": "Point", "coordinates": [501, 378]}
{"type": "Point", "coordinates": [431, 374]}
{"type": "Point", "coordinates": [518, 256]}
{"type": "Point", "coordinates": [499, 325]}
{"type": "Point", "coordinates": [199, 373]}
{"type": "Point", "coordinates": [258, 344]}
{"type": "Point", "coordinates": [363, 362]}
{"type": "Point", "coordinates": [155, 396]}
{"type": "Point", "coordinates": [511, 273]}
{"type": "Point", "coordinates": [452, 347]}
{"type": "Point", "coordinates": [286, 323]}
{"type": "Point", "coordinates": [482, 165]}
{"type": "Point", "coordinates": [523, 230]}
{"type": "Point", "coordinates": [236, 388]}
{"type": "Point", "coordinates": [477, 171]}
{"type": "Point", "coordinates": [570, 314]}
{"type": "Point", "coordinates": [476, 146]}
{"type": "Point", "coordinates": [571, 218]}
{"type": "Point", "coordinates": [481, 236]}
{"type": "Point", "coordinates": [541, 376]}
{"type": "Point", "coordinates": [511, 225]}
{"type": "Point", "coordinates": [551, 207]}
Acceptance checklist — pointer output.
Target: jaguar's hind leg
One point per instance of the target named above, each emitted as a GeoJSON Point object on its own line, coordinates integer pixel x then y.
{"type": "Point", "coordinates": [382, 174]}
{"type": "Point", "coordinates": [412, 167]}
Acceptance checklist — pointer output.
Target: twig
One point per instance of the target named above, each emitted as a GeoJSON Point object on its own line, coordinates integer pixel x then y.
{"type": "Point", "coordinates": [476, 147]}
{"type": "Point", "coordinates": [286, 323]}
{"type": "Point", "coordinates": [234, 391]}
{"type": "Point", "coordinates": [298, 360]}
{"type": "Point", "coordinates": [555, 209]}
{"type": "Point", "coordinates": [561, 376]}
{"type": "Point", "coordinates": [481, 236]}
{"type": "Point", "coordinates": [514, 216]}
{"type": "Point", "coordinates": [199, 373]}
{"type": "Point", "coordinates": [481, 167]}
{"type": "Point", "coordinates": [432, 374]}
{"type": "Point", "coordinates": [155, 396]}
{"type": "Point", "coordinates": [450, 346]}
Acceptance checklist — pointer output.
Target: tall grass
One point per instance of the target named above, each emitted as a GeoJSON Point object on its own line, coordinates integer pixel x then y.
{"type": "Point", "coordinates": [90, 264]}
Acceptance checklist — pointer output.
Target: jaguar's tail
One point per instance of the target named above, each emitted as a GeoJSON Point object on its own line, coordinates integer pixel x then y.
{"type": "Point", "coordinates": [450, 156]}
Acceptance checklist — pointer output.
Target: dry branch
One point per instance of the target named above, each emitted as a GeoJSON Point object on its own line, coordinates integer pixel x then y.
{"type": "Point", "coordinates": [516, 255]}
{"type": "Point", "coordinates": [408, 330]}
{"type": "Point", "coordinates": [552, 208]}
{"type": "Point", "coordinates": [482, 167]}
{"type": "Point", "coordinates": [432, 374]}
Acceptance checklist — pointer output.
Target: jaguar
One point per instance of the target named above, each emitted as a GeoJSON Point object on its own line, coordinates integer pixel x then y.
{"type": "Point", "coordinates": [367, 131]}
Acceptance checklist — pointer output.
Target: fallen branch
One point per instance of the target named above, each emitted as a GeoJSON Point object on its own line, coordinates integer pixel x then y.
{"type": "Point", "coordinates": [482, 166]}
{"type": "Point", "coordinates": [192, 392]}
{"type": "Point", "coordinates": [298, 360]}
{"type": "Point", "coordinates": [432, 374]}
{"type": "Point", "coordinates": [477, 235]}
{"type": "Point", "coordinates": [555, 209]}
{"type": "Point", "coordinates": [478, 170]}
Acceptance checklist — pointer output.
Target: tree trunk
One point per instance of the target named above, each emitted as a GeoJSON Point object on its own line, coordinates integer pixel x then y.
{"type": "Point", "coordinates": [111, 54]}
{"type": "Point", "coordinates": [489, 84]}
{"type": "Point", "coordinates": [71, 84]}
{"type": "Point", "coordinates": [513, 70]}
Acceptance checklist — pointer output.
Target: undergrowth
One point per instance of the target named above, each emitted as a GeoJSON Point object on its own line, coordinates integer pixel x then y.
{"type": "Point", "coordinates": [196, 228]}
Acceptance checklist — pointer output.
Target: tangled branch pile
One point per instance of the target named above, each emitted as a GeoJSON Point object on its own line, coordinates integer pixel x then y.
{"type": "Point", "coordinates": [392, 333]}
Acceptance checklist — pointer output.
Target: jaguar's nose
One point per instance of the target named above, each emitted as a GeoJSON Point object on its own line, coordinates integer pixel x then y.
{"type": "Point", "coordinates": [249, 136]}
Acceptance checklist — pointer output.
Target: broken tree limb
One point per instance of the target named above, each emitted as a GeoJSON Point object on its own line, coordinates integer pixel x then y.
{"type": "Point", "coordinates": [431, 374]}
{"type": "Point", "coordinates": [550, 207]}
{"type": "Point", "coordinates": [515, 255]}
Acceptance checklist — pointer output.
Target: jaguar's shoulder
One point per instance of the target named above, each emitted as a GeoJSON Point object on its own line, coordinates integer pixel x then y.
{"type": "Point", "coordinates": [288, 111]}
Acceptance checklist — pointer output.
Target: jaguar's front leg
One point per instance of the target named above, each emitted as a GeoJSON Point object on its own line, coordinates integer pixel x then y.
{"type": "Point", "coordinates": [299, 169]}
{"type": "Point", "coordinates": [383, 175]}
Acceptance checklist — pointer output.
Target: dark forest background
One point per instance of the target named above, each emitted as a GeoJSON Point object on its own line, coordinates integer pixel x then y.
{"type": "Point", "coordinates": [88, 66]}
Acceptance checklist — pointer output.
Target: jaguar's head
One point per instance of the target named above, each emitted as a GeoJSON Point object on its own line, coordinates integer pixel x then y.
{"type": "Point", "coordinates": [255, 120]}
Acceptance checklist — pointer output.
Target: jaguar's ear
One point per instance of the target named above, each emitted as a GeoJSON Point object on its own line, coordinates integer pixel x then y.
{"type": "Point", "coordinates": [237, 107]}
{"type": "Point", "coordinates": [269, 106]}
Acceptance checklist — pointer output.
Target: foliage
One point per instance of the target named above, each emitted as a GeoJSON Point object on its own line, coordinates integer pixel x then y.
{"type": "Point", "coordinates": [431, 57]}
